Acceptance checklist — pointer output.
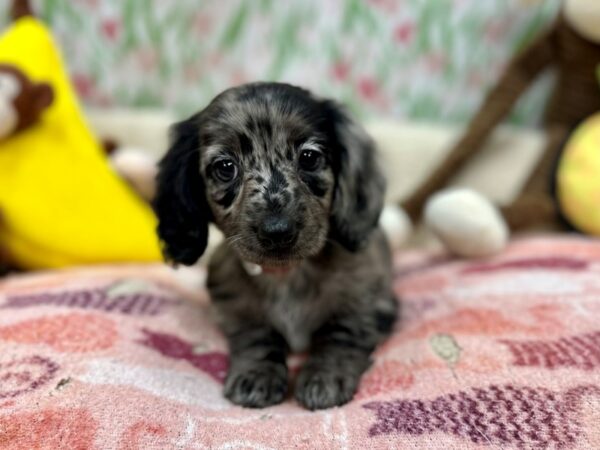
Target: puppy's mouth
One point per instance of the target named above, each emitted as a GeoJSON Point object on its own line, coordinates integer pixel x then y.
{"type": "Point", "coordinates": [269, 269]}
{"type": "Point", "coordinates": [278, 259]}
{"type": "Point", "coordinates": [277, 270]}
{"type": "Point", "coordinates": [261, 261]}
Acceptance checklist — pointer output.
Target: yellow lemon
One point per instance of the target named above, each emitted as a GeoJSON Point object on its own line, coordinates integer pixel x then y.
{"type": "Point", "coordinates": [578, 177]}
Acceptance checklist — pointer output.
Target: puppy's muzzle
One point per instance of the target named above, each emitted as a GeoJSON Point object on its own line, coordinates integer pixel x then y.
{"type": "Point", "coordinates": [277, 232]}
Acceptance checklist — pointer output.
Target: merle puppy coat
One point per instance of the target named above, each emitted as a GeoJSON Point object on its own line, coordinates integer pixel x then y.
{"type": "Point", "coordinates": [292, 182]}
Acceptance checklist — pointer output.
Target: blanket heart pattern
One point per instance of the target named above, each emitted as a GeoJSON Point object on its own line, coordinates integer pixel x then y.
{"type": "Point", "coordinates": [496, 353]}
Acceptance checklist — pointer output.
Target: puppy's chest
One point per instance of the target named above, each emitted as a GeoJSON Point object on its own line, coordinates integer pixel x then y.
{"type": "Point", "coordinates": [294, 315]}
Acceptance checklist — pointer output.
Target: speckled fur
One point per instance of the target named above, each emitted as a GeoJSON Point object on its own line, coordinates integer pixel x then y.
{"type": "Point", "coordinates": [336, 300]}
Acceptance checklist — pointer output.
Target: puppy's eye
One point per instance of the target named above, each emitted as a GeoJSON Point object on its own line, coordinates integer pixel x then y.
{"type": "Point", "coordinates": [310, 160]}
{"type": "Point", "coordinates": [224, 170]}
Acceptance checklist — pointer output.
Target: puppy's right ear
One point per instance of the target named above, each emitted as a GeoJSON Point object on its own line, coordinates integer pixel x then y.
{"type": "Point", "coordinates": [180, 202]}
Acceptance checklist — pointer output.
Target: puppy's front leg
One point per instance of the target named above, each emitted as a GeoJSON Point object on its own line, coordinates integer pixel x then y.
{"type": "Point", "coordinates": [257, 374]}
{"type": "Point", "coordinates": [340, 354]}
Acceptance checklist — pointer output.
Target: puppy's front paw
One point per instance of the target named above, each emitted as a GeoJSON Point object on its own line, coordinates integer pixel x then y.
{"type": "Point", "coordinates": [321, 389]}
{"type": "Point", "coordinates": [256, 387]}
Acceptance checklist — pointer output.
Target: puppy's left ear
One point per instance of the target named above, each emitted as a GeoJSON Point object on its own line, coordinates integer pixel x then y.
{"type": "Point", "coordinates": [180, 202]}
{"type": "Point", "coordinates": [360, 185]}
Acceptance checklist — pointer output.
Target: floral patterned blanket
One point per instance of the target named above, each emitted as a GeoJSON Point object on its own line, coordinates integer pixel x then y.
{"type": "Point", "coordinates": [497, 353]}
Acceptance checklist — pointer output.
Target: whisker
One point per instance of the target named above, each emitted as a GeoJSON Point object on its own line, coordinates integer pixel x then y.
{"type": "Point", "coordinates": [234, 238]}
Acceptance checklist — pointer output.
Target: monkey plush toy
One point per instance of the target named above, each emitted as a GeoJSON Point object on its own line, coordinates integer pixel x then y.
{"type": "Point", "coordinates": [21, 101]}
{"type": "Point", "coordinates": [466, 221]}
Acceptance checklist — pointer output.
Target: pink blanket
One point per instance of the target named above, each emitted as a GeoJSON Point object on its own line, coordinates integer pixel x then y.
{"type": "Point", "coordinates": [501, 353]}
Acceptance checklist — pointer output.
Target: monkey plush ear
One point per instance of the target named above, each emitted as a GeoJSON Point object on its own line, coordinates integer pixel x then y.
{"type": "Point", "coordinates": [180, 203]}
{"type": "Point", "coordinates": [43, 96]}
{"type": "Point", "coordinates": [32, 102]}
{"type": "Point", "coordinates": [360, 185]}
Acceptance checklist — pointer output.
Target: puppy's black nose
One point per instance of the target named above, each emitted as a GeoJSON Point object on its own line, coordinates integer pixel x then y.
{"type": "Point", "coordinates": [277, 231]}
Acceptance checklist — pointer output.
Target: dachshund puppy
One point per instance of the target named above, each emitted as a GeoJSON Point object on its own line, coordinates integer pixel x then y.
{"type": "Point", "coordinates": [292, 182]}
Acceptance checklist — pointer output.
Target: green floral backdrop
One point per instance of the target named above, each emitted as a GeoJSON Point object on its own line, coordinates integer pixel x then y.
{"type": "Point", "coordinates": [419, 59]}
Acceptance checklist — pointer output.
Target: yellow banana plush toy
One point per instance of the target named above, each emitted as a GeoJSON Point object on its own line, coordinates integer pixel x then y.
{"type": "Point", "coordinates": [60, 202]}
